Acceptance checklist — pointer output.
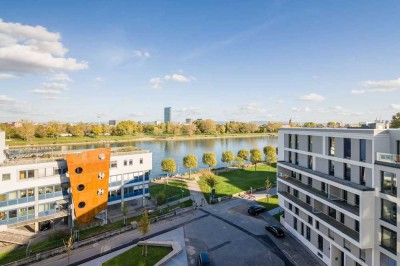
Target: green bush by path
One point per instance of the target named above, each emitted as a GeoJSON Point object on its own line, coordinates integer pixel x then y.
{"type": "Point", "coordinates": [278, 216]}
{"type": "Point", "coordinates": [271, 204]}
{"type": "Point", "coordinates": [133, 256]}
{"type": "Point", "coordinates": [239, 180]}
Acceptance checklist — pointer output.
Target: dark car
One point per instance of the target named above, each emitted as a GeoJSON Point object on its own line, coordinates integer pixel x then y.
{"type": "Point", "coordinates": [204, 259]}
{"type": "Point", "coordinates": [255, 209]}
{"type": "Point", "coordinates": [276, 230]}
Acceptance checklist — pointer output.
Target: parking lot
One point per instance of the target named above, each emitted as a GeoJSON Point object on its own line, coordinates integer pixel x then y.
{"type": "Point", "coordinates": [232, 237]}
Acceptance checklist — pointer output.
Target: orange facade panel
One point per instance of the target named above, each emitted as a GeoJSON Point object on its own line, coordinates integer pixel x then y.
{"type": "Point", "coordinates": [89, 175]}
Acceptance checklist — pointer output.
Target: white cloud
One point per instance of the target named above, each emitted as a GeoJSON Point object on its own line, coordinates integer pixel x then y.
{"type": "Point", "coordinates": [252, 108]}
{"type": "Point", "coordinates": [312, 97]}
{"type": "Point", "coordinates": [55, 86]}
{"type": "Point", "coordinates": [395, 106]}
{"type": "Point", "coordinates": [7, 76]}
{"type": "Point", "coordinates": [32, 49]}
{"type": "Point", "coordinates": [358, 91]}
{"type": "Point", "coordinates": [301, 109]}
{"type": "Point", "coordinates": [178, 78]}
{"type": "Point", "coordinates": [61, 77]}
{"type": "Point", "coordinates": [189, 111]}
{"type": "Point", "coordinates": [45, 91]}
{"type": "Point", "coordinates": [99, 79]}
{"type": "Point", "coordinates": [12, 106]}
{"type": "Point", "coordinates": [156, 83]}
{"type": "Point", "coordinates": [379, 86]}
{"type": "Point", "coordinates": [141, 54]}
{"type": "Point", "coordinates": [137, 114]}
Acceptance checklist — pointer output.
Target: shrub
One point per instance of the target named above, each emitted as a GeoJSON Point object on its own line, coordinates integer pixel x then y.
{"type": "Point", "coordinates": [160, 198]}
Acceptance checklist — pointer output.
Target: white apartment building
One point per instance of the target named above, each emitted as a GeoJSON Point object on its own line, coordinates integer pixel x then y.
{"type": "Point", "coordinates": [338, 189]}
{"type": "Point", "coordinates": [37, 189]}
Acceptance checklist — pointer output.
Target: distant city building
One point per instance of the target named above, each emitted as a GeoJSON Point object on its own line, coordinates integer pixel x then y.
{"type": "Point", "coordinates": [377, 124]}
{"type": "Point", "coordinates": [167, 115]}
{"type": "Point", "coordinates": [189, 120]}
{"type": "Point", "coordinates": [14, 124]}
{"type": "Point", "coordinates": [157, 122]}
{"type": "Point", "coordinates": [112, 122]}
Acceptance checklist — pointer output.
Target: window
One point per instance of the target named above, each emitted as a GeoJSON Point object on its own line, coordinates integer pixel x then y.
{"type": "Point", "coordinates": [362, 254]}
{"type": "Point", "coordinates": [308, 199]}
{"type": "Point", "coordinates": [320, 243]}
{"type": "Point", "coordinates": [389, 239]}
{"type": "Point", "coordinates": [387, 261]}
{"type": "Point", "coordinates": [317, 225]}
{"type": "Point", "coordinates": [347, 148]}
{"type": "Point", "coordinates": [6, 177]}
{"type": "Point", "coordinates": [310, 162]}
{"type": "Point", "coordinates": [389, 183]}
{"type": "Point", "coordinates": [310, 220]}
{"type": "Point", "coordinates": [296, 210]}
{"type": "Point", "coordinates": [362, 175]}
{"type": "Point", "coordinates": [357, 200]}
{"type": "Point", "coordinates": [331, 142]}
{"type": "Point", "coordinates": [12, 214]}
{"type": "Point", "coordinates": [296, 158]}
{"type": "Point", "coordinates": [389, 211]}
{"type": "Point", "coordinates": [345, 195]}
{"type": "Point", "coordinates": [27, 174]}
{"type": "Point", "coordinates": [290, 141]}
{"type": "Point", "coordinates": [290, 206]}
{"type": "Point", "coordinates": [3, 197]}
{"type": "Point", "coordinates": [131, 162]}
{"type": "Point", "coordinates": [310, 143]}
{"type": "Point", "coordinates": [288, 190]}
{"type": "Point", "coordinates": [141, 161]}
{"type": "Point", "coordinates": [330, 234]}
{"type": "Point", "coordinates": [346, 244]}
{"type": "Point", "coordinates": [293, 174]}
{"type": "Point", "coordinates": [125, 162]}
{"type": "Point", "coordinates": [308, 233]}
{"type": "Point", "coordinates": [113, 164]}
{"type": "Point", "coordinates": [309, 181]}
{"type": "Point", "coordinates": [296, 141]}
{"type": "Point", "coordinates": [296, 193]}
{"type": "Point", "coordinates": [78, 170]}
{"type": "Point", "coordinates": [81, 205]}
{"type": "Point", "coordinates": [357, 226]}
{"type": "Point", "coordinates": [331, 168]}
{"type": "Point", "coordinates": [323, 187]}
{"type": "Point", "coordinates": [332, 212]}
{"type": "Point", "coordinates": [363, 150]}
{"type": "Point", "coordinates": [347, 171]}
{"type": "Point", "coordinates": [295, 223]}
{"type": "Point", "coordinates": [300, 177]}
{"type": "Point", "coordinates": [81, 187]}
{"type": "Point", "coordinates": [60, 171]}
{"type": "Point", "coordinates": [290, 157]}
{"type": "Point", "coordinates": [302, 228]}
{"type": "Point", "coordinates": [342, 218]}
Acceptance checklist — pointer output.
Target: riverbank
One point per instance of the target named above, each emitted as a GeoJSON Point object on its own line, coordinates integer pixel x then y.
{"type": "Point", "coordinates": [16, 143]}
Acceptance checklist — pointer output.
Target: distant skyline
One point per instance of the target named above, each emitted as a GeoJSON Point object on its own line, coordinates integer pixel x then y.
{"type": "Point", "coordinates": [225, 60]}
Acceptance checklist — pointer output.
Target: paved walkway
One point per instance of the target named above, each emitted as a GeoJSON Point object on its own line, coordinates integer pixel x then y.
{"type": "Point", "coordinates": [275, 211]}
{"type": "Point", "coordinates": [195, 191]}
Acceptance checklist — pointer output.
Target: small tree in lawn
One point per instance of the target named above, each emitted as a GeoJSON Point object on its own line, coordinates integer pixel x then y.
{"type": "Point", "coordinates": [228, 157]}
{"type": "Point", "coordinates": [239, 162]}
{"type": "Point", "coordinates": [244, 154]}
{"type": "Point", "coordinates": [209, 159]}
{"type": "Point", "coordinates": [144, 228]}
{"type": "Point", "coordinates": [211, 181]}
{"type": "Point", "coordinates": [190, 161]}
{"type": "Point", "coordinates": [69, 245]}
{"type": "Point", "coordinates": [168, 165]}
{"type": "Point", "coordinates": [124, 210]}
{"type": "Point", "coordinates": [255, 157]}
{"type": "Point", "coordinates": [268, 186]}
{"type": "Point", "coordinates": [270, 155]}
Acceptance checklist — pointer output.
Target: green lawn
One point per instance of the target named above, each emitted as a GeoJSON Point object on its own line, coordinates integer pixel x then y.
{"type": "Point", "coordinates": [173, 188]}
{"type": "Point", "coordinates": [271, 204]}
{"type": "Point", "coordinates": [133, 256]}
{"type": "Point", "coordinates": [240, 180]}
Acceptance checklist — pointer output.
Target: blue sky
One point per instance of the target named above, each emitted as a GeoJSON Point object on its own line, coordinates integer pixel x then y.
{"type": "Point", "coordinates": [224, 60]}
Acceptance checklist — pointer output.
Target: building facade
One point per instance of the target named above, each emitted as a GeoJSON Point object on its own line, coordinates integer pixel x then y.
{"type": "Point", "coordinates": [338, 190]}
{"type": "Point", "coordinates": [38, 189]}
{"type": "Point", "coordinates": [167, 115]}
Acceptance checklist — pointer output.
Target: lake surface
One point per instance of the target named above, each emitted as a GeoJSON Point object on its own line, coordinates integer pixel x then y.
{"type": "Point", "coordinates": [177, 149]}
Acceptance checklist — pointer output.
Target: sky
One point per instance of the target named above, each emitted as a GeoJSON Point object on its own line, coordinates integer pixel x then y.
{"type": "Point", "coordinates": [320, 61]}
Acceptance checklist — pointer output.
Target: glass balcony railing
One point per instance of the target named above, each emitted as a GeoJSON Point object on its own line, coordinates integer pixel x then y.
{"type": "Point", "coordinates": [388, 158]}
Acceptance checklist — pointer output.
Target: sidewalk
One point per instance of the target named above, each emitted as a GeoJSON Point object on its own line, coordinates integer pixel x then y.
{"type": "Point", "coordinates": [195, 191]}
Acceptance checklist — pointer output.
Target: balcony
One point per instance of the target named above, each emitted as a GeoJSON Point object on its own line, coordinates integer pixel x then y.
{"type": "Point", "coordinates": [334, 199]}
{"type": "Point", "coordinates": [324, 217]}
{"type": "Point", "coordinates": [388, 159]}
{"type": "Point", "coordinates": [327, 177]}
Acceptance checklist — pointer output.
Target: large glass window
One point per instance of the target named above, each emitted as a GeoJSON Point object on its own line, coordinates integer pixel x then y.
{"type": "Point", "coordinates": [332, 212]}
{"type": "Point", "coordinates": [290, 157]}
{"type": "Point", "coordinates": [320, 243]}
{"type": "Point", "coordinates": [387, 261]}
{"type": "Point", "coordinates": [310, 162]}
{"type": "Point", "coordinates": [331, 142]}
{"type": "Point", "coordinates": [363, 150]}
{"type": "Point", "coordinates": [389, 211]}
{"type": "Point", "coordinates": [27, 174]}
{"type": "Point", "coordinates": [362, 175]}
{"type": "Point", "coordinates": [296, 158]}
{"type": "Point", "coordinates": [389, 239]}
{"type": "Point", "coordinates": [388, 183]}
{"type": "Point", "coordinates": [12, 214]}
{"type": "Point", "coordinates": [331, 168]}
{"type": "Point", "coordinates": [346, 244]}
{"type": "Point", "coordinates": [3, 197]}
{"type": "Point", "coordinates": [310, 143]}
{"type": "Point", "coordinates": [6, 177]}
{"type": "Point", "coordinates": [347, 171]}
{"type": "Point", "coordinates": [290, 140]}
{"type": "Point", "coordinates": [295, 223]}
{"type": "Point", "coordinates": [296, 141]}
{"type": "Point", "coordinates": [347, 148]}
{"type": "Point", "coordinates": [308, 233]}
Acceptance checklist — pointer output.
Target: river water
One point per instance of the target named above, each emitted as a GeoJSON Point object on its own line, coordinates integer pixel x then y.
{"type": "Point", "coordinates": [177, 149]}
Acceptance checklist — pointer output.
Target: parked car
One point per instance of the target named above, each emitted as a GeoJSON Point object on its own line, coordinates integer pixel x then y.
{"type": "Point", "coordinates": [255, 209]}
{"type": "Point", "coordinates": [276, 230]}
{"type": "Point", "coordinates": [204, 259]}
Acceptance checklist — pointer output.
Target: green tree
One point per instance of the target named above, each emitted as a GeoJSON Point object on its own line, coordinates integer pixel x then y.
{"type": "Point", "coordinates": [209, 159]}
{"type": "Point", "coordinates": [268, 186]}
{"type": "Point", "coordinates": [160, 198]}
{"type": "Point", "coordinates": [228, 157]}
{"type": "Point", "coordinates": [255, 157]}
{"type": "Point", "coordinates": [144, 228]}
{"type": "Point", "coordinates": [210, 180]}
{"type": "Point", "coordinates": [244, 154]}
{"type": "Point", "coordinates": [395, 123]}
{"type": "Point", "coordinates": [309, 124]}
{"type": "Point", "coordinates": [69, 245]}
{"type": "Point", "coordinates": [190, 162]}
{"type": "Point", "coordinates": [27, 130]}
{"type": "Point", "coordinates": [331, 124]}
{"type": "Point", "coordinates": [40, 131]}
{"type": "Point", "coordinates": [270, 154]}
{"type": "Point", "coordinates": [168, 165]}
{"type": "Point", "coordinates": [239, 162]}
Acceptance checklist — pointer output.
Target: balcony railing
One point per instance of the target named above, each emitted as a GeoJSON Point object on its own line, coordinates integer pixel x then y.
{"type": "Point", "coordinates": [388, 158]}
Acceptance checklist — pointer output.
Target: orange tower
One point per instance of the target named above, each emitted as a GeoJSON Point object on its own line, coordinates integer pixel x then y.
{"type": "Point", "coordinates": [89, 175]}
